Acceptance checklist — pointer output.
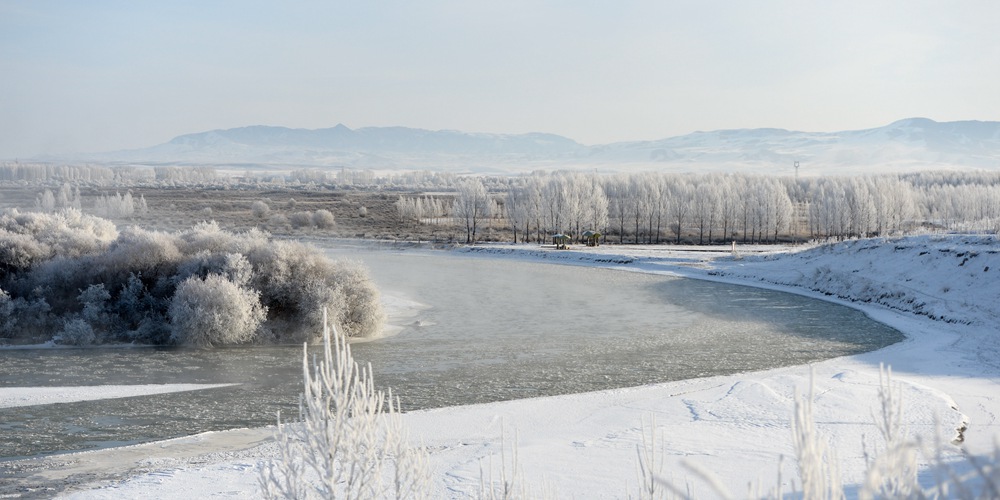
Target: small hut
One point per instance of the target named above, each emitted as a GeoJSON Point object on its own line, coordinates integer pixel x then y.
{"type": "Point", "coordinates": [560, 241]}
{"type": "Point", "coordinates": [592, 238]}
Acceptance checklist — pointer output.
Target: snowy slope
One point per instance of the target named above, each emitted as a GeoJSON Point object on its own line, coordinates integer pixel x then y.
{"type": "Point", "coordinates": [947, 278]}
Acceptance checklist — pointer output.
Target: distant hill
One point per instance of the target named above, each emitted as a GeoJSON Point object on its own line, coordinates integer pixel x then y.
{"type": "Point", "coordinates": [914, 143]}
{"type": "Point", "coordinates": [905, 145]}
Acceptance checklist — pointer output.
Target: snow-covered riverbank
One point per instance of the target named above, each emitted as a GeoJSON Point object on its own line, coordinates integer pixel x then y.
{"type": "Point", "coordinates": [940, 291]}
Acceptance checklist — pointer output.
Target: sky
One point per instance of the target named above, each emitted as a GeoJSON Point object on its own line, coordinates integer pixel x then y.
{"type": "Point", "coordinates": [109, 75]}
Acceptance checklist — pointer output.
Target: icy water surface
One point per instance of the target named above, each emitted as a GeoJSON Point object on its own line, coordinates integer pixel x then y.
{"type": "Point", "coordinates": [488, 330]}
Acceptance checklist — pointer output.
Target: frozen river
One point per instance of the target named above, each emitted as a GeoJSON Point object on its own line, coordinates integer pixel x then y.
{"type": "Point", "coordinates": [485, 330]}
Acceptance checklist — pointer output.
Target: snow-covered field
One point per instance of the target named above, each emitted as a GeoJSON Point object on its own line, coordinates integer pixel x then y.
{"type": "Point", "coordinates": [941, 291]}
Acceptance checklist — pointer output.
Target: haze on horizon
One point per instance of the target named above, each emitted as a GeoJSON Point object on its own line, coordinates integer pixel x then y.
{"type": "Point", "coordinates": [110, 75]}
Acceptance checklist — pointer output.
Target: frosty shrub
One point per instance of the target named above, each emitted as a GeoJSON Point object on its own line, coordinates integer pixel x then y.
{"type": "Point", "coordinates": [260, 210]}
{"type": "Point", "coordinates": [817, 460]}
{"type": "Point", "coordinates": [362, 314]}
{"type": "Point", "coordinates": [29, 238]}
{"type": "Point", "coordinates": [350, 442]}
{"type": "Point", "coordinates": [203, 286]}
{"type": "Point", "coordinates": [20, 251]}
{"type": "Point", "coordinates": [76, 332]}
{"type": "Point", "coordinates": [278, 221]}
{"type": "Point", "coordinates": [214, 311]}
{"type": "Point", "coordinates": [8, 320]}
{"type": "Point", "coordinates": [301, 220]}
{"type": "Point", "coordinates": [323, 219]}
{"type": "Point", "coordinates": [141, 251]}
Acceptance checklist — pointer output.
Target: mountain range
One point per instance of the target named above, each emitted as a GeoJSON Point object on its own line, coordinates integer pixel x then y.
{"type": "Point", "coordinates": [904, 145]}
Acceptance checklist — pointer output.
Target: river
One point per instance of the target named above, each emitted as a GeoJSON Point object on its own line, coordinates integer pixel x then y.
{"type": "Point", "coordinates": [465, 330]}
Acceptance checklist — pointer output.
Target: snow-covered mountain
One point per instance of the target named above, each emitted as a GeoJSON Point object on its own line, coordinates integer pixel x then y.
{"type": "Point", "coordinates": [911, 144]}
{"type": "Point", "coordinates": [370, 147]}
{"type": "Point", "coordinates": [905, 145]}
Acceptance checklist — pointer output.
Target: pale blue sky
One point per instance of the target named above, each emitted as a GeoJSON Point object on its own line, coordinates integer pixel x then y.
{"type": "Point", "coordinates": [102, 75]}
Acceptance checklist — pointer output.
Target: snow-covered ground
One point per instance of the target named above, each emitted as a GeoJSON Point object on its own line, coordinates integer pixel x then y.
{"type": "Point", "coordinates": [941, 291]}
{"type": "Point", "coordinates": [30, 396]}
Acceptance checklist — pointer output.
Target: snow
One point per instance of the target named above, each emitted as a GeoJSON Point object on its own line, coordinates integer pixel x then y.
{"type": "Point", "coordinates": [30, 396]}
{"type": "Point", "coordinates": [939, 290]}
{"type": "Point", "coordinates": [402, 311]}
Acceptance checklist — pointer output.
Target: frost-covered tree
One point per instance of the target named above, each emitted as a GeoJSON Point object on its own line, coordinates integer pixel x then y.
{"type": "Point", "coordinates": [46, 202]}
{"type": "Point", "coordinates": [678, 196]}
{"type": "Point", "coordinates": [661, 191]}
{"type": "Point", "coordinates": [640, 195]}
{"type": "Point", "coordinates": [117, 205]}
{"type": "Point", "coordinates": [517, 210]}
{"type": "Point", "coordinates": [68, 196]}
{"type": "Point", "coordinates": [729, 205]}
{"type": "Point", "coordinates": [471, 204]}
{"type": "Point", "coordinates": [616, 189]}
{"type": "Point", "coordinates": [706, 208]}
{"type": "Point", "coordinates": [595, 204]}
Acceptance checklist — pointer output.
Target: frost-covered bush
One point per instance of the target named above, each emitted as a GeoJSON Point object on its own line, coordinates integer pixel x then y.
{"type": "Point", "coordinates": [278, 221]}
{"type": "Point", "coordinates": [323, 219]}
{"type": "Point", "coordinates": [202, 286]}
{"type": "Point", "coordinates": [29, 238]}
{"type": "Point", "coordinates": [24, 319]}
{"type": "Point", "coordinates": [140, 251]}
{"type": "Point", "coordinates": [260, 210]}
{"type": "Point", "coordinates": [76, 332]}
{"type": "Point", "coordinates": [350, 442]}
{"type": "Point", "coordinates": [301, 219]}
{"type": "Point", "coordinates": [301, 282]}
{"type": "Point", "coordinates": [214, 311]}
{"type": "Point", "coordinates": [8, 319]}
{"type": "Point", "coordinates": [362, 315]}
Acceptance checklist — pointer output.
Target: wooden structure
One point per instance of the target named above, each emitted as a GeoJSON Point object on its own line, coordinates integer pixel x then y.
{"type": "Point", "coordinates": [561, 241]}
{"type": "Point", "coordinates": [592, 238]}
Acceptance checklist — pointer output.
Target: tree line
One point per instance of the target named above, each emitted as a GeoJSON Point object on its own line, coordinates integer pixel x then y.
{"type": "Point", "coordinates": [654, 208]}
{"type": "Point", "coordinates": [641, 207]}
